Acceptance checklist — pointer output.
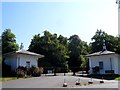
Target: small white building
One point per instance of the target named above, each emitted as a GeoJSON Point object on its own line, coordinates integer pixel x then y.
{"type": "Point", "coordinates": [21, 58]}
{"type": "Point", "coordinates": [106, 62]}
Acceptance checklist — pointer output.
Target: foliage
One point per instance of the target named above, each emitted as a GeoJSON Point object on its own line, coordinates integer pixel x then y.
{"type": "Point", "coordinates": [85, 63]}
{"type": "Point", "coordinates": [4, 79]}
{"type": "Point", "coordinates": [118, 45]}
{"type": "Point", "coordinates": [8, 42]}
{"type": "Point", "coordinates": [77, 49]}
{"type": "Point", "coordinates": [117, 78]}
{"type": "Point", "coordinates": [61, 52]}
{"type": "Point", "coordinates": [33, 71]}
{"type": "Point", "coordinates": [112, 43]}
{"type": "Point", "coordinates": [53, 47]}
{"type": "Point", "coordinates": [21, 71]}
{"type": "Point", "coordinates": [36, 71]}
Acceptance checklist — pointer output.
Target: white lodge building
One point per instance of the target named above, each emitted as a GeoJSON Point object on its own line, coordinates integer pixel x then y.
{"type": "Point", "coordinates": [21, 58]}
{"type": "Point", "coordinates": [107, 62]}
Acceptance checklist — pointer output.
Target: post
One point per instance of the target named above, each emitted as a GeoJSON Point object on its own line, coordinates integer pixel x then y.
{"type": "Point", "coordinates": [118, 2]}
{"type": "Point", "coordinates": [64, 84]}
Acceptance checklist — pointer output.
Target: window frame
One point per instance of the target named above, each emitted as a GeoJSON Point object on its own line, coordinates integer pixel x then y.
{"type": "Point", "coordinates": [28, 64]}
{"type": "Point", "coordinates": [101, 65]}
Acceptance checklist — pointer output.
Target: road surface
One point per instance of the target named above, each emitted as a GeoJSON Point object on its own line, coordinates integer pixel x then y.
{"type": "Point", "coordinates": [57, 82]}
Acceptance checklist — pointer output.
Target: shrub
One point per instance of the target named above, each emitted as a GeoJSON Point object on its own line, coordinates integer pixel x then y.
{"type": "Point", "coordinates": [21, 71]}
{"type": "Point", "coordinates": [36, 71]}
{"type": "Point", "coordinates": [33, 71]}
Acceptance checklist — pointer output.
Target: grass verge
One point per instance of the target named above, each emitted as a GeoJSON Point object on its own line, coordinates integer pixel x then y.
{"type": "Point", "coordinates": [118, 78]}
{"type": "Point", "coordinates": [106, 77]}
{"type": "Point", "coordinates": [3, 79]}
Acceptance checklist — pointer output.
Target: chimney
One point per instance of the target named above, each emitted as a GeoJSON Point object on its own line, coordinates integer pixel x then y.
{"type": "Point", "coordinates": [104, 46]}
{"type": "Point", "coordinates": [21, 46]}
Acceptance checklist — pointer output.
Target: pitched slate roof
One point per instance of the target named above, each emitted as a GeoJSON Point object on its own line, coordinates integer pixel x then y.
{"type": "Point", "coordinates": [25, 52]}
{"type": "Point", "coordinates": [100, 53]}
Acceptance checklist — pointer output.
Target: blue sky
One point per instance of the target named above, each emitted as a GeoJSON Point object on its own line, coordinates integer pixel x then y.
{"type": "Point", "coordinates": [83, 18]}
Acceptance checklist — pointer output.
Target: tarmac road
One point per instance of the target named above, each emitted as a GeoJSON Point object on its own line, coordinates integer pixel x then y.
{"type": "Point", "coordinates": [57, 82]}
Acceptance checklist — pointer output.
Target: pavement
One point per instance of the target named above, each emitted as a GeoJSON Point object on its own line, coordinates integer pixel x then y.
{"type": "Point", "coordinates": [48, 81]}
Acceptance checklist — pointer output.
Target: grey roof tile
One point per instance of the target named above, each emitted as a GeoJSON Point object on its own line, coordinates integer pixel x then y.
{"type": "Point", "coordinates": [25, 52]}
{"type": "Point", "coordinates": [100, 53]}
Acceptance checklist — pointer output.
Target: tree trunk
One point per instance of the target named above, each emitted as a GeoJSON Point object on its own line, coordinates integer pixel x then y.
{"type": "Point", "coordinates": [55, 72]}
{"type": "Point", "coordinates": [74, 74]}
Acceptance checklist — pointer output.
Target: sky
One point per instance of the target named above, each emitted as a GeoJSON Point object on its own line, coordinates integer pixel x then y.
{"type": "Point", "coordinates": [81, 17]}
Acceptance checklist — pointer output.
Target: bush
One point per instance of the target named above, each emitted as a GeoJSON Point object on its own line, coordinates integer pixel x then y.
{"type": "Point", "coordinates": [21, 71]}
{"type": "Point", "coordinates": [33, 71]}
{"type": "Point", "coordinates": [36, 71]}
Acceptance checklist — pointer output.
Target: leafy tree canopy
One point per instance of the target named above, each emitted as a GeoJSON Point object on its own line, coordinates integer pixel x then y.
{"type": "Point", "coordinates": [112, 43]}
{"type": "Point", "coordinates": [8, 42]}
{"type": "Point", "coordinates": [53, 47]}
{"type": "Point", "coordinates": [77, 49]}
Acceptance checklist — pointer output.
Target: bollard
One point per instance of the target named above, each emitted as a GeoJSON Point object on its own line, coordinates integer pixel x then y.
{"type": "Point", "coordinates": [78, 81]}
{"type": "Point", "coordinates": [101, 81]}
{"type": "Point", "coordinates": [90, 81]}
{"type": "Point", "coordinates": [64, 84]}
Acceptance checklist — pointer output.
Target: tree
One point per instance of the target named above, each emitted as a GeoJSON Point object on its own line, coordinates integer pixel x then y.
{"type": "Point", "coordinates": [118, 46]}
{"type": "Point", "coordinates": [8, 45]}
{"type": "Point", "coordinates": [112, 43]}
{"type": "Point", "coordinates": [52, 47]}
{"type": "Point", "coordinates": [75, 48]}
{"type": "Point", "coordinates": [97, 39]}
{"type": "Point", "coordinates": [8, 42]}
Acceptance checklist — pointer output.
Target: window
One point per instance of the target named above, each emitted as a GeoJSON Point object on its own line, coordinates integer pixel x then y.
{"type": "Point", "coordinates": [101, 64]}
{"type": "Point", "coordinates": [28, 64]}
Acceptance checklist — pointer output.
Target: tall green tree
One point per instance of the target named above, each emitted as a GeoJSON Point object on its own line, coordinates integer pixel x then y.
{"type": "Point", "coordinates": [75, 48]}
{"type": "Point", "coordinates": [97, 39]}
{"type": "Point", "coordinates": [118, 46]}
{"type": "Point", "coordinates": [85, 63]}
{"type": "Point", "coordinates": [112, 43]}
{"type": "Point", "coordinates": [52, 47]}
{"type": "Point", "coordinates": [9, 42]}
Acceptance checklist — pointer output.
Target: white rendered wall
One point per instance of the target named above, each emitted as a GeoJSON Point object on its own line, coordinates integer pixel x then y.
{"type": "Point", "coordinates": [119, 64]}
{"type": "Point", "coordinates": [116, 64]}
{"type": "Point", "coordinates": [24, 58]}
{"type": "Point", "coordinates": [11, 60]}
{"type": "Point", "coordinates": [94, 61]}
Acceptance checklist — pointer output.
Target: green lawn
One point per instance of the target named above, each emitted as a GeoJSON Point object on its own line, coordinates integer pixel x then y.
{"type": "Point", "coordinates": [3, 79]}
{"type": "Point", "coordinates": [118, 78]}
